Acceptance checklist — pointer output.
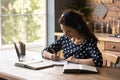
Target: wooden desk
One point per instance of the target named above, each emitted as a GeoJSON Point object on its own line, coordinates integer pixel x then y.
{"type": "Point", "coordinates": [8, 58]}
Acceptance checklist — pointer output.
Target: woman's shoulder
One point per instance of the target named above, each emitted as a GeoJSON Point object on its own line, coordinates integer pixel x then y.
{"type": "Point", "coordinates": [63, 37]}
{"type": "Point", "coordinates": [91, 40]}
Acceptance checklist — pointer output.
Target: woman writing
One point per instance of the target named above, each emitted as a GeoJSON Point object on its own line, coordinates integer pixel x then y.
{"type": "Point", "coordinates": [79, 44]}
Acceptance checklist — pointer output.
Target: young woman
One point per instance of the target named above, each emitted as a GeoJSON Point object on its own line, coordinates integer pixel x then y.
{"type": "Point", "coordinates": [79, 44]}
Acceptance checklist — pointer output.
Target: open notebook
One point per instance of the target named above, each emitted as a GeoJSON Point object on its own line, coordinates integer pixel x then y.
{"type": "Point", "coordinates": [37, 65]}
{"type": "Point", "coordinates": [79, 68]}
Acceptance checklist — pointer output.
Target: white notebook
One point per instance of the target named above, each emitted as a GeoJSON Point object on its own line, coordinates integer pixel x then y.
{"type": "Point", "coordinates": [35, 65]}
{"type": "Point", "coordinates": [58, 63]}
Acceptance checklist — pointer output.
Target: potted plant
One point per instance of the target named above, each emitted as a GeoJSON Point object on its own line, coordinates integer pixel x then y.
{"type": "Point", "coordinates": [80, 5]}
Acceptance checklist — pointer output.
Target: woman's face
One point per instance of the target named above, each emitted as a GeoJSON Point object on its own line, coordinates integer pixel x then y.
{"type": "Point", "coordinates": [69, 32]}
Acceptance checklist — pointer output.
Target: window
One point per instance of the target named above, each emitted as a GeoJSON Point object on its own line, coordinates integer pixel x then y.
{"type": "Point", "coordinates": [22, 20]}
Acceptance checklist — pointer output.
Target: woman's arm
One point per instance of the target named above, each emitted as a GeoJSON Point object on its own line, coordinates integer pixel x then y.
{"type": "Point", "coordinates": [50, 52]}
{"type": "Point", "coordinates": [81, 61]}
{"type": "Point", "coordinates": [49, 55]}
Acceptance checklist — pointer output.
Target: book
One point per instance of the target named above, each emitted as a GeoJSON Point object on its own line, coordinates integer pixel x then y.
{"type": "Point", "coordinates": [79, 68]}
{"type": "Point", "coordinates": [35, 65]}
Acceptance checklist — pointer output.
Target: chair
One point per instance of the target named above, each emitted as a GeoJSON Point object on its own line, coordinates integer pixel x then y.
{"type": "Point", "coordinates": [110, 60]}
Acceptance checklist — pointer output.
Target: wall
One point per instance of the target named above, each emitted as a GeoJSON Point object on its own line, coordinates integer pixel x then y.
{"type": "Point", "coordinates": [60, 5]}
{"type": "Point", "coordinates": [111, 9]}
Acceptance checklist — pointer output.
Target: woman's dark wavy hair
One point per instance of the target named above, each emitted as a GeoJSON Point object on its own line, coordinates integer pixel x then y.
{"type": "Point", "coordinates": [76, 20]}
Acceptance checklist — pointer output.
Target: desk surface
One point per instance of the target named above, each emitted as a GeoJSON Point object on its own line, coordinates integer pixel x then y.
{"type": "Point", "coordinates": [8, 58]}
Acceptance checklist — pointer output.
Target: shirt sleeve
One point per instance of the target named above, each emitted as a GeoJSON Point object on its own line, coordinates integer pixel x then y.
{"type": "Point", "coordinates": [95, 54]}
{"type": "Point", "coordinates": [55, 46]}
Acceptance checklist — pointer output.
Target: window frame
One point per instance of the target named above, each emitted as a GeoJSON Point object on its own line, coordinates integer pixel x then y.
{"type": "Point", "coordinates": [29, 45]}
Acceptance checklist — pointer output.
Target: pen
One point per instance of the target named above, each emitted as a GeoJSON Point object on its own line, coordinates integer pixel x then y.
{"type": "Point", "coordinates": [36, 62]}
{"type": "Point", "coordinates": [53, 51]}
{"type": "Point", "coordinates": [56, 58]}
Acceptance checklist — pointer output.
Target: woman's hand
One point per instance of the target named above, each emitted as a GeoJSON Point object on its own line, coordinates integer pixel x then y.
{"type": "Point", "coordinates": [88, 61]}
{"type": "Point", "coordinates": [51, 56]}
{"type": "Point", "coordinates": [54, 57]}
{"type": "Point", "coordinates": [72, 59]}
